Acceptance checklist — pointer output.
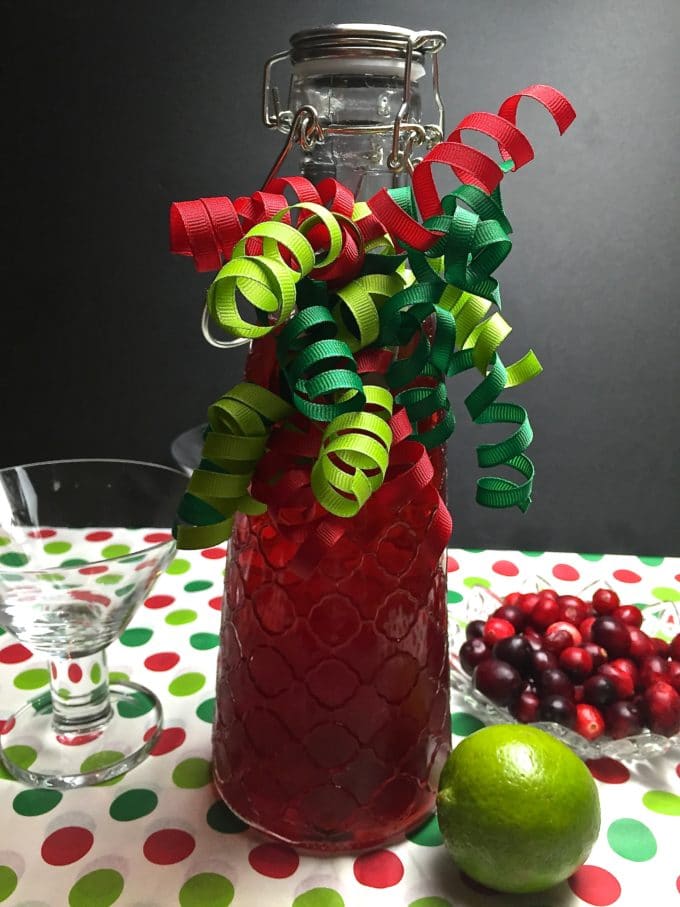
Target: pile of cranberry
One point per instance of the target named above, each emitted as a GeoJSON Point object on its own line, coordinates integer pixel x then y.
{"type": "Point", "coordinates": [587, 665]}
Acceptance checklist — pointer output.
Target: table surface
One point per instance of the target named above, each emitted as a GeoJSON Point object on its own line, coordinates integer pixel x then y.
{"type": "Point", "coordinates": [159, 835]}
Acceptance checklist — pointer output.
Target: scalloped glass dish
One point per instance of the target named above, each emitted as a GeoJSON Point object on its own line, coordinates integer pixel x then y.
{"type": "Point", "coordinates": [481, 603]}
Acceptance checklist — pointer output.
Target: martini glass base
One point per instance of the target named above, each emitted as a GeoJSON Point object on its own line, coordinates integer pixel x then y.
{"type": "Point", "coordinates": [33, 751]}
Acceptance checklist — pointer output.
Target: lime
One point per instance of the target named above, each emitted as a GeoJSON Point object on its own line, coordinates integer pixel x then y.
{"type": "Point", "coordinates": [518, 810]}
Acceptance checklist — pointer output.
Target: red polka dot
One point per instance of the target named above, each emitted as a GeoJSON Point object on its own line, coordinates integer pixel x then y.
{"type": "Point", "coordinates": [216, 603]}
{"type": "Point", "coordinates": [75, 673]}
{"type": "Point", "coordinates": [276, 861]}
{"type": "Point", "coordinates": [452, 564]}
{"type": "Point", "coordinates": [92, 598]}
{"type": "Point", "coordinates": [53, 670]}
{"type": "Point", "coordinates": [161, 661]}
{"type": "Point", "coordinates": [94, 570]}
{"type": "Point", "coordinates": [380, 869]}
{"type": "Point", "coordinates": [609, 771]}
{"type": "Point", "coordinates": [677, 881]}
{"type": "Point", "coordinates": [7, 725]}
{"type": "Point", "coordinates": [626, 576]}
{"type": "Point", "coordinates": [155, 538]}
{"type": "Point", "coordinates": [41, 533]}
{"type": "Point", "coordinates": [214, 554]}
{"type": "Point", "coordinates": [101, 535]}
{"type": "Point", "coordinates": [158, 601]}
{"type": "Point", "coordinates": [171, 738]}
{"type": "Point", "coordinates": [565, 572]}
{"type": "Point", "coordinates": [66, 845]}
{"type": "Point", "coordinates": [677, 769]}
{"type": "Point", "coordinates": [78, 740]}
{"type": "Point", "coordinates": [505, 568]}
{"type": "Point", "coordinates": [15, 653]}
{"type": "Point", "coordinates": [169, 845]}
{"type": "Point", "coordinates": [595, 886]}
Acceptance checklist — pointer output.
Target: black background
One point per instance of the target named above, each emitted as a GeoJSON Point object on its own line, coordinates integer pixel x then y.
{"type": "Point", "coordinates": [111, 110]}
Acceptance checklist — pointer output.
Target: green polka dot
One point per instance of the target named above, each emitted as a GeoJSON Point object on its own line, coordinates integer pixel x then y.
{"type": "Point", "coordinates": [662, 801]}
{"type": "Point", "coordinates": [203, 641]}
{"type": "Point", "coordinates": [64, 694]}
{"type": "Point", "coordinates": [57, 547]}
{"type": "Point", "coordinates": [118, 677]}
{"type": "Point", "coordinates": [187, 684]}
{"type": "Point", "coordinates": [13, 559]}
{"type": "Point", "coordinates": [125, 590]}
{"type": "Point", "coordinates": [8, 882]}
{"type": "Point", "coordinates": [532, 553]}
{"type": "Point", "coordinates": [137, 636]}
{"type": "Point", "coordinates": [473, 550]}
{"type": "Point", "coordinates": [181, 616]}
{"type": "Point", "coordinates": [133, 804]}
{"type": "Point", "coordinates": [95, 673]}
{"type": "Point", "coordinates": [179, 565]}
{"type": "Point", "coordinates": [2, 631]}
{"type": "Point", "coordinates": [73, 562]}
{"type": "Point", "coordinates": [115, 551]}
{"type": "Point", "coordinates": [135, 704]}
{"type": "Point", "coordinates": [666, 594]}
{"type": "Point", "coordinates": [463, 724]}
{"type": "Point", "coordinates": [99, 888]}
{"type": "Point", "coordinates": [192, 773]}
{"type": "Point", "coordinates": [651, 561]}
{"type": "Point", "coordinates": [198, 585]}
{"type": "Point", "coordinates": [631, 840]}
{"type": "Point", "coordinates": [206, 888]}
{"type": "Point", "coordinates": [428, 835]}
{"type": "Point", "coordinates": [32, 679]}
{"type": "Point", "coordinates": [472, 581]}
{"type": "Point", "coordinates": [453, 597]}
{"type": "Point", "coordinates": [221, 818]}
{"type": "Point", "coordinates": [206, 710]}
{"type": "Point", "coordinates": [109, 579]}
{"type": "Point", "coordinates": [430, 902]}
{"type": "Point", "coordinates": [99, 760]}
{"type": "Point", "coordinates": [4, 540]}
{"type": "Point", "coordinates": [591, 557]}
{"type": "Point", "coordinates": [36, 802]}
{"type": "Point", "coordinates": [319, 897]}
{"type": "Point", "coordinates": [23, 756]}
{"type": "Point", "coordinates": [135, 559]}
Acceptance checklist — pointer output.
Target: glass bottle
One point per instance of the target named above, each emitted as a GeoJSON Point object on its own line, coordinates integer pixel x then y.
{"type": "Point", "coordinates": [332, 712]}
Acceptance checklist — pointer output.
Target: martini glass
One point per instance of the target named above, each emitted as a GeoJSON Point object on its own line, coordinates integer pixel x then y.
{"type": "Point", "coordinates": [81, 544]}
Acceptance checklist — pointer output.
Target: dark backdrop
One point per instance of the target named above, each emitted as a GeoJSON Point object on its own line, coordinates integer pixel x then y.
{"type": "Point", "coordinates": [111, 110]}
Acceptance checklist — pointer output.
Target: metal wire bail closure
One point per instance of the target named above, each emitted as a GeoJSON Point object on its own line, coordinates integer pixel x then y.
{"type": "Point", "coordinates": [213, 341]}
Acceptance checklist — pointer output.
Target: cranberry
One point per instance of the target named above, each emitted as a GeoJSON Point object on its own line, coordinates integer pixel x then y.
{"type": "Point", "coordinates": [661, 647]}
{"type": "Point", "coordinates": [673, 675]}
{"type": "Point", "coordinates": [516, 651]}
{"type": "Point", "coordinates": [597, 653]}
{"type": "Point", "coordinates": [605, 600]}
{"type": "Point", "coordinates": [652, 668]}
{"type": "Point", "coordinates": [527, 707]}
{"type": "Point", "coordinates": [576, 638]}
{"type": "Point", "coordinates": [623, 682]}
{"type": "Point", "coordinates": [572, 608]}
{"type": "Point", "coordinates": [641, 645]}
{"type": "Point", "coordinates": [576, 662]}
{"type": "Point", "coordinates": [589, 721]}
{"type": "Point", "coordinates": [599, 690]}
{"type": "Point", "coordinates": [496, 628]}
{"type": "Point", "coordinates": [541, 660]}
{"type": "Point", "coordinates": [534, 638]}
{"type": "Point", "coordinates": [585, 628]}
{"type": "Point", "coordinates": [558, 708]}
{"type": "Point", "coordinates": [546, 612]}
{"type": "Point", "coordinates": [628, 667]}
{"type": "Point", "coordinates": [497, 680]}
{"type": "Point", "coordinates": [622, 719]}
{"type": "Point", "coordinates": [472, 653]}
{"type": "Point", "coordinates": [512, 598]}
{"type": "Point", "coordinates": [475, 629]}
{"type": "Point", "coordinates": [556, 681]}
{"type": "Point", "coordinates": [556, 640]}
{"type": "Point", "coordinates": [527, 602]}
{"type": "Point", "coordinates": [513, 614]}
{"type": "Point", "coordinates": [612, 634]}
{"type": "Point", "coordinates": [548, 595]}
{"type": "Point", "coordinates": [578, 692]}
{"type": "Point", "coordinates": [675, 647]}
{"type": "Point", "coordinates": [662, 709]}
{"type": "Point", "coordinates": [629, 614]}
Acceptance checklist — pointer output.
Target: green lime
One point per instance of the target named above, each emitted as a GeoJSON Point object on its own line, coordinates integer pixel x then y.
{"type": "Point", "coordinates": [518, 810]}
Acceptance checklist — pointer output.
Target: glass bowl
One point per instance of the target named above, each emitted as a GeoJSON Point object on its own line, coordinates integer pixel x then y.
{"type": "Point", "coordinates": [481, 603]}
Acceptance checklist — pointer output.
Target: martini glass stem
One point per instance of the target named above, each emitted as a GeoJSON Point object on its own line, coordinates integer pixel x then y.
{"type": "Point", "coordinates": [80, 693]}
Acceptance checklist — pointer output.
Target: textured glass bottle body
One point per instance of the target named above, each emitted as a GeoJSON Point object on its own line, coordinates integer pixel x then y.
{"type": "Point", "coordinates": [332, 716]}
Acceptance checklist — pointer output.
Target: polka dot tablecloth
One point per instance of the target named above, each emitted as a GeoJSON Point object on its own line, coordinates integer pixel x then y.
{"type": "Point", "coordinates": [159, 835]}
